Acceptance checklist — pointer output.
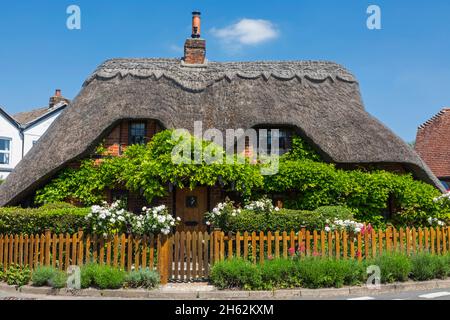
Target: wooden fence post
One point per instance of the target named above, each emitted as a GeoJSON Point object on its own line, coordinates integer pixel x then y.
{"type": "Point", "coordinates": [163, 259]}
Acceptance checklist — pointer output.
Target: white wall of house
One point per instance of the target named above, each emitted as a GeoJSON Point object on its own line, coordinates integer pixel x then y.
{"type": "Point", "coordinates": [8, 131]}
{"type": "Point", "coordinates": [33, 133]}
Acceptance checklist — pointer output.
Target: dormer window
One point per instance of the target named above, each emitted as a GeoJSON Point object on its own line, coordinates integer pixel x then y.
{"type": "Point", "coordinates": [138, 133]}
{"type": "Point", "coordinates": [5, 150]}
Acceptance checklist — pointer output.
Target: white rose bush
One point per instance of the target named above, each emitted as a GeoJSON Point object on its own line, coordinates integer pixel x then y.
{"type": "Point", "coordinates": [263, 205]}
{"type": "Point", "coordinates": [107, 220]}
{"type": "Point", "coordinates": [220, 214]}
{"type": "Point", "coordinates": [155, 220]}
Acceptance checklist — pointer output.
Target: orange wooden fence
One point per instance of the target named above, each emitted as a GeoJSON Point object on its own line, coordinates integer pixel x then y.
{"type": "Point", "coordinates": [186, 256]}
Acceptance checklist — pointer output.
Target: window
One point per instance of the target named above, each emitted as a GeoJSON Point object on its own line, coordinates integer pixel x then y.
{"type": "Point", "coordinates": [284, 140]}
{"type": "Point", "coordinates": [446, 184]}
{"type": "Point", "coordinates": [5, 150]}
{"type": "Point", "coordinates": [137, 133]}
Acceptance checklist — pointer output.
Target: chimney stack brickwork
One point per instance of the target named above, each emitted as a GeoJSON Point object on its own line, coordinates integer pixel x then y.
{"type": "Point", "coordinates": [57, 98]}
{"type": "Point", "coordinates": [195, 47]}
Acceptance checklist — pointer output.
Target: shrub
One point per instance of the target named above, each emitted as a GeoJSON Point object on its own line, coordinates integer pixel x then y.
{"type": "Point", "coordinates": [15, 276]}
{"type": "Point", "coordinates": [283, 220]}
{"type": "Point", "coordinates": [42, 275]}
{"type": "Point", "coordinates": [109, 278]}
{"type": "Point", "coordinates": [49, 276]}
{"type": "Point", "coordinates": [143, 278]}
{"type": "Point", "coordinates": [426, 266]}
{"type": "Point", "coordinates": [87, 274]}
{"type": "Point", "coordinates": [236, 273]}
{"type": "Point", "coordinates": [37, 221]}
{"type": "Point", "coordinates": [280, 273]}
{"type": "Point", "coordinates": [325, 273]}
{"type": "Point", "coordinates": [59, 280]}
{"type": "Point", "coordinates": [334, 213]}
{"type": "Point", "coordinates": [394, 267]}
{"type": "Point", "coordinates": [102, 277]}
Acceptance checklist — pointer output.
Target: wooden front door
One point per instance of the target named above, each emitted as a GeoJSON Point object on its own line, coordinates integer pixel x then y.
{"type": "Point", "coordinates": [191, 206]}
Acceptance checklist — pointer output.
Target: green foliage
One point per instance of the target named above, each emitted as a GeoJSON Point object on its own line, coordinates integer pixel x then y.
{"type": "Point", "coordinates": [283, 220]}
{"type": "Point", "coordinates": [280, 273]}
{"type": "Point", "coordinates": [236, 273]}
{"type": "Point", "coordinates": [148, 170]}
{"type": "Point", "coordinates": [102, 277]}
{"type": "Point", "coordinates": [87, 274]}
{"type": "Point", "coordinates": [334, 212]}
{"type": "Point", "coordinates": [367, 194]}
{"type": "Point", "coordinates": [326, 273]}
{"type": "Point", "coordinates": [426, 266]}
{"type": "Point", "coordinates": [142, 278]}
{"type": "Point", "coordinates": [309, 182]}
{"type": "Point", "coordinates": [394, 267]}
{"type": "Point", "coordinates": [301, 150]}
{"type": "Point", "coordinates": [15, 276]}
{"type": "Point", "coordinates": [49, 276]}
{"type": "Point", "coordinates": [309, 272]}
{"type": "Point", "coordinates": [36, 221]}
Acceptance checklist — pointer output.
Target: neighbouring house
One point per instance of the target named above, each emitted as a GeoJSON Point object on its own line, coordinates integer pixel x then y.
{"type": "Point", "coordinates": [127, 101]}
{"type": "Point", "coordinates": [433, 145]}
{"type": "Point", "coordinates": [20, 132]}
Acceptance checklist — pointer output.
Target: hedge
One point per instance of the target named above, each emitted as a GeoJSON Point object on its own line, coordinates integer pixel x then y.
{"type": "Point", "coordinates": [286, 219]}
{"type": "Point", "coordinates": [58, 218]}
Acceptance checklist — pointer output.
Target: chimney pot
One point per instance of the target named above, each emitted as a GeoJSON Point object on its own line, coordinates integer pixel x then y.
{"type": "Point", "coordinates": [196, 24]}
{"type": "Point", "coordinates": [58, 93]}
{"type": "Point", "coordinates": [195, 48]}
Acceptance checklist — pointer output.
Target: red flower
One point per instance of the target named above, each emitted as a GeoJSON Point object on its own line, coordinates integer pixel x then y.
{"type": "Point", "coordinates": [291, 251]}
{"type": "Point", "coordinates": [301, 248]}
{"type": "Point", "coordinates": [358, 254]}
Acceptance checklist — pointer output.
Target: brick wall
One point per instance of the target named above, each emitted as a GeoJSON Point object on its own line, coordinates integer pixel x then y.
{"type": "Point", "coordinates": [433, 143]}
{"type": "Point", "coordinates": [117, 140]}
{"type": "Point", "coordinates": [194, 51]}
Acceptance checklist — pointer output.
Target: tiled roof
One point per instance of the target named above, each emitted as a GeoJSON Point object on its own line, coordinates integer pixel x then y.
{"type": "Point", "coordinates": [433, 143]}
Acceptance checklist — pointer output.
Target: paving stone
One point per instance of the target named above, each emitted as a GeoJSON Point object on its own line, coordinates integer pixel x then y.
{"type": "Point", "coordinates": [332, 292]}
{"type": "Point", "coordinates": [226, 294]}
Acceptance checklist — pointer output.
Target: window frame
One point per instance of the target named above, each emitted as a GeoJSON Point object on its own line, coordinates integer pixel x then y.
{"type": "Point", "coordinates": [130, 129]}
{"type": "Point", "coordinates": [8, 152]}
{"type": "Point", "coordinates": [286, 133]}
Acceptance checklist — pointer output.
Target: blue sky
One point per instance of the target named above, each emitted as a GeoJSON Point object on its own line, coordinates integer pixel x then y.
{"type": "Point", "coordinates": [403, 69]}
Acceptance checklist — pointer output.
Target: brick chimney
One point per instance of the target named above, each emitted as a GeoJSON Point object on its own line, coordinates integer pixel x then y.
{"type": "Point", "coordinates": [195, 47]}
{"type": "Point", "coordinates": [57, 98]}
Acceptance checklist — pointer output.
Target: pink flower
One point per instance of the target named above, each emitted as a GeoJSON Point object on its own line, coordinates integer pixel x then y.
{"type": "Point", "coordinates": [358, 254]}
{"type": "Point", "coordinates": [301, 248]}
{"type": "Point", "coordinates": [291, 251]}
{"type": "Point", "coordinates": [316, 254]}
{"type": "Point", "coordinates": [270, 257]}
{"type": "Point", "coordinates": [369, 228]}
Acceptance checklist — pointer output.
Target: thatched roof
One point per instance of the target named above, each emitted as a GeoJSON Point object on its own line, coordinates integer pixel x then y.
{"type": "Point", "coordinates": [322, 99]}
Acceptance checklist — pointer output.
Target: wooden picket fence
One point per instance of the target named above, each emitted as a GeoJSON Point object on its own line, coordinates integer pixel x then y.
{"type": "Point", "coordinates": [188, 256]}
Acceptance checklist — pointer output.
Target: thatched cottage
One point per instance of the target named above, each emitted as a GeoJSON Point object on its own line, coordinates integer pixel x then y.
{"type": "Point", "coordinates": [127, 101]}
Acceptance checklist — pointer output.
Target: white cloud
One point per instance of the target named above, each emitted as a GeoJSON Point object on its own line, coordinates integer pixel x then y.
{"type": "Point", "coordinates": [247, 32]}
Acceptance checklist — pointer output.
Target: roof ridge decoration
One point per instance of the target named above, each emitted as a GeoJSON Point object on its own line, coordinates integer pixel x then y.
{"type": "Point", "coordinates": [212, 72]}
{"type": "Point", "coordinates": [434, 118]}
